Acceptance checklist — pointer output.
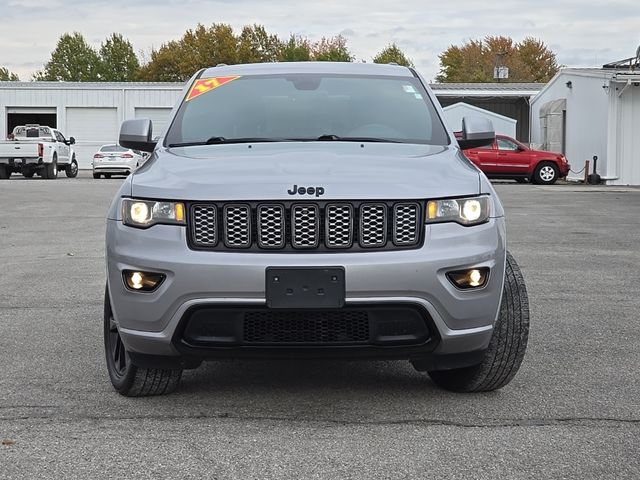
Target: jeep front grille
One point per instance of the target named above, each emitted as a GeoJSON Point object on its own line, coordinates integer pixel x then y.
{"type": "Point", "coordinates": [306, 226]}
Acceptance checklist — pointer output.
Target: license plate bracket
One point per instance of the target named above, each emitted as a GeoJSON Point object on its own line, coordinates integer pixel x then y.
{"type": "Point", "coordinates": [305, 287]}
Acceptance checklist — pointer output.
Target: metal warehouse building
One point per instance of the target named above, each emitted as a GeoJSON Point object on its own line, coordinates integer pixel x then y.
{"type": "Point", "coordinates": [589, 112]}
{"type": "Point", "coordinates": [89, 112]}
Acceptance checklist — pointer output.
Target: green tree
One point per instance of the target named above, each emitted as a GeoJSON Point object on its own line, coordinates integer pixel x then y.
{"type": "Point", "coordinates": [474, 61]}
{"type": "Point", "coordinates": [296, 49]}
{"type": "Point", "coordinates": [540, 63]}
{"type": "Point", "coordinates": [392, 54]}
{"type": "Point", "coordinates": [8, 76]}
{"type": "Point", "coordinates": [73, 60]}
{"type": "Point", "coordinates": [164, 65]}
{"type": "Point", "coordinates": [118, 61]}
{"type": "Point", "coordinates": [256, 45]}
{"type": "Point", "coordinates": [177, 60]}
{"type": "Point", "coordinates": [333, 49]}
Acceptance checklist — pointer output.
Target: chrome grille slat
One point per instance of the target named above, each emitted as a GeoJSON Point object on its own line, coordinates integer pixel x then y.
{"type": "Point", "coordinates": [406, 218]}
{"type": "Point", "coordinates": [237, 226]}
{"type": "Point", "coordinates": [339, 225]}
{"type": "Point", "coordinates": [305, 226]}
{"type": "Point", "coordinates": [271, 226]}
{"type": "Point", "coordinates": [373, 225]}
{"type": "Point", "coordinates": [205, 225]}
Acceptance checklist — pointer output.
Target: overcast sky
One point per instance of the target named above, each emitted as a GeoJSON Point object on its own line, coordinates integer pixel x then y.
{"type": "Point", "coordinates": [583, 33]}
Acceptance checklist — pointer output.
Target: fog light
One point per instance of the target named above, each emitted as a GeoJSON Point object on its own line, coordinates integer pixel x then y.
{"type": "Point", "coordinates": [142, 281]}
{"type": "Point", "coordinates": [471, 278]}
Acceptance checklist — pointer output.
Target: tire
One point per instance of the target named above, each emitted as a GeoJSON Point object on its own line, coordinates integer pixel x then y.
{"type": "Point", "coordinates": [521, 180]}
{"type": "Point", "coordinates": [107, 175]}
{"type": "Point", "coordinates": [50, 170]}
{"type": "Point", "coordinates": [506, 347]}
{"type": "Point", "coordinates": [96, 175]}
{"type": "Point", "coordinates": [126, 378]}
{"type": "Point", "coordinates": [546, 173]}
{"type": "Point", "coordinates": [5, 173]}
{"type": "Point", "coordinates": [71, 170]}
{"type": "Point", "coordinates": [28, 172]}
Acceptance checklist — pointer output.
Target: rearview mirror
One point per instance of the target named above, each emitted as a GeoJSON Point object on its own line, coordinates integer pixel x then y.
{"type": "Point", "coordinates": [476, 132]}
{"type": "Point", "coordinates": [72, 141]}
{"type": "Point", "coordinates": [136, 135]}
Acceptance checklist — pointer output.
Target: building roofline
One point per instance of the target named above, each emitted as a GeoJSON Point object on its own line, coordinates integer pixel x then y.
{"type": "Point", "coordinates": [91, 85]}
{"type": "Point", "coordinates": [481, 110]}
{"type": "Point", "coordinates": [486, 89]}
{"type": "Point", "coordinates": [604, 74]}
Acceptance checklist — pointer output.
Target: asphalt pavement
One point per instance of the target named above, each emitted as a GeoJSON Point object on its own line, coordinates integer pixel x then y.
{"type": "Point", "coordinates": [573, 411]}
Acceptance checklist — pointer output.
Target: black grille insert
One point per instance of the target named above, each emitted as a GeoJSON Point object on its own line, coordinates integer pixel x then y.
{"type": "Point", "coordinates": [300, 327]}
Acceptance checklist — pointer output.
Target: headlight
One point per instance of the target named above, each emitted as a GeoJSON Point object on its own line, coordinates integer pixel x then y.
{"type": "Point", "coordinates": [145, 213]}
{"type": "Point", "coordinates": [465, 211]}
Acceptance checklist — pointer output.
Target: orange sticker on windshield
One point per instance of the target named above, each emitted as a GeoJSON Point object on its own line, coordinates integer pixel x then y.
{"type": "Point", "coordinates": [205, 85]}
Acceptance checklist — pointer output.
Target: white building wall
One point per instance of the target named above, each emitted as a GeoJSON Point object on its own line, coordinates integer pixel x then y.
{"type": "Point", "coordinates": [125, 98]}
{"type": "Point", "coordinates": [624, 134]}
{"type": "Point", "coordinates": [587, 106]}
{"type": "Point", "coordinates": [453, 115]}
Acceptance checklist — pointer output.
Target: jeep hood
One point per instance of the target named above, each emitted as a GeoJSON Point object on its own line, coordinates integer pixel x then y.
{"type": "Point", "coordinates": [266, 171]}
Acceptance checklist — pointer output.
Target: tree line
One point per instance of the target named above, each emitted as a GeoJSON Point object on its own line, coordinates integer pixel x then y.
{"type": "Point", "coordinates": [73, 59]}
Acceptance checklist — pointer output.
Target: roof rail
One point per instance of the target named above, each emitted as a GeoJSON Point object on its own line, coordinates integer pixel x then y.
{"type": "Point", "coordinates": [630, 63]}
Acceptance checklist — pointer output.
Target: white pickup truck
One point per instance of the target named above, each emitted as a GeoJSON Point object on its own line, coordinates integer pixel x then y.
{"type": "Point", "coordinates": [36, 149]}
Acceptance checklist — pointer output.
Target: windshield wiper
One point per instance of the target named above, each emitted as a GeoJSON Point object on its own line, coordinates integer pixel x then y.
{"type": "Point", "coordinates": [223, 140]}
{"type": "Point", "coordinates": [336, 138]}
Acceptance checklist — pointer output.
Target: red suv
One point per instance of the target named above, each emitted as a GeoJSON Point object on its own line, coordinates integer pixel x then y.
{"type": "Point", "coordinates": [508, 158]}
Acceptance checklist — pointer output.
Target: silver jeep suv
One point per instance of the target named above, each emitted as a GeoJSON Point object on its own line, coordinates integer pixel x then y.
{"type": "Point", "coordinates": [310, 210]}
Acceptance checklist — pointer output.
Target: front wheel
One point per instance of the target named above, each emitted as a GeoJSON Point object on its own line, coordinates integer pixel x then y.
{"type": "Point", "coordinates": [126, 378]}
{"type": "Point", "coordinates": [506, 347]}
{"type": "Point", "coordinates": [71, 170]}
{"type": "Point", "coordinates": [546, 173]}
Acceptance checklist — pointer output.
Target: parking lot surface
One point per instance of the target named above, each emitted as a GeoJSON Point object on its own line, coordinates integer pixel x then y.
{"type": "Point", "coordinates": [573, 411]}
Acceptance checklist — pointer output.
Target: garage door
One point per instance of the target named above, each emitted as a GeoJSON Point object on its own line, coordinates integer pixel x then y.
{"type": "Point", "coordinates": [159, 118]}
{"type": "Point", "coordinates": [92, 128]}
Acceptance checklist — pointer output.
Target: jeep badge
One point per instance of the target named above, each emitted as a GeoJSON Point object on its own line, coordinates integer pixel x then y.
{"type": "Point", "coordinates": [317, 191]}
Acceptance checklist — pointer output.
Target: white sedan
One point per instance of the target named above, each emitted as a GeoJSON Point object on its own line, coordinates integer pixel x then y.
{"type": "Point", "coordinates": [115, 160]}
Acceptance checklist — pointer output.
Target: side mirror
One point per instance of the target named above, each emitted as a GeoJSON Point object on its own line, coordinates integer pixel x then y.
{"type": "Point", "coordinates": [72, 141]}
{"type": "Point", "coordinates": [136, 135]}
{"type": "Point", "coordinates": [476, 132]}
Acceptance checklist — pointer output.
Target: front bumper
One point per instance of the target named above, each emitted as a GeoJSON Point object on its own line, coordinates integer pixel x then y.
{"type": "Point", "coordinates": [461, 321]}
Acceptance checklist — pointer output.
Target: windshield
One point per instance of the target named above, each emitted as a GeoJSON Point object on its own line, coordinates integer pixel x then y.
{"type": "Point", "coordinates": [306, 107]}
{"type": "Point", "coordinates": [113, 148]}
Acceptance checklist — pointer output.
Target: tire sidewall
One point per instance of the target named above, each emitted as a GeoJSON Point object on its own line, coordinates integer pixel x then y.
{"type": "Point", "coordinates": [121, 382]}
{"type": "Point", "coordinates": [540, 180]}
{"type": "Point", "coordinates": [72, 169]}
{"type": "Point", "coordinates": [4, 172]}
{"type": "Point", "coordinates": [50, 170]}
